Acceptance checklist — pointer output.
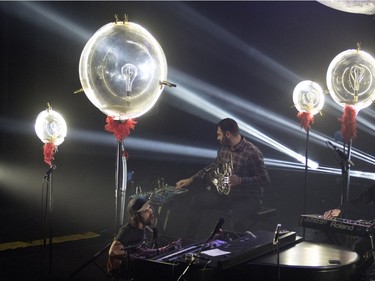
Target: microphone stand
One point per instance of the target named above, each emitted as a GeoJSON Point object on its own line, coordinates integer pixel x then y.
{"type": "Point", "coordinates": [371, 236]}
{"type": "Point", "coordinates": [48, 223]}
{"type": "Point", "coordinates": [276, 242]}
{"type": "Point", "coordinates": [345, 170]}
{"type": "Point", "coordinates": [194, 257]}
{"type": "Point", "coordinates": [306, 177]}
{"type": "Point", "coordinates": [120, 186]}
{"type": "Point", "coordinates": [155, 235]}
{"type": "Point", "coordinates": [278, 259]}
{"type": "Point", "coordinates": [346, 175]}
{"type": "Point", "coordinates": [345, 164]}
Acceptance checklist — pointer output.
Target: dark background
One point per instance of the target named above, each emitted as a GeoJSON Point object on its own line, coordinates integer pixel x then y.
{"type": "Point", "coordinates": [258, 51]}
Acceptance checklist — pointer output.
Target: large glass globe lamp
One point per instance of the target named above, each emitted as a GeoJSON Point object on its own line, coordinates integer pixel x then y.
{"type": "Point", "coordinates": [50, 127]}
{"type": "Point", "coordinates": [351, 79]}
{"type": "Point", "coordinates": [308, 97]}
{"type": "Point", "coordinates": [121, 69]}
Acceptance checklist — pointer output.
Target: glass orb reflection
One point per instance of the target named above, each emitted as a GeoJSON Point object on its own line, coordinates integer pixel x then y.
{"type": "Point", "coordinates": [351, 79]}
{"type": "Point", "coordinates": [308, 97]}
{"type": "Point", "coordinates": [120, 70]}
{"type": "Point", "coordinates": [50, 127]}
{"type": "Point", "coordinates": [354, 6]}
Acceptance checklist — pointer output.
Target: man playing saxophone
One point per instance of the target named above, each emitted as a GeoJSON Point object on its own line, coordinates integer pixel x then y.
{"type": "Point", "coordinates": [239, 177]}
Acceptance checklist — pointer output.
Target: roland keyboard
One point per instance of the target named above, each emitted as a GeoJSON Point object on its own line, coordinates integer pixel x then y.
{"type": "Point", "coordinates": [338, 225]}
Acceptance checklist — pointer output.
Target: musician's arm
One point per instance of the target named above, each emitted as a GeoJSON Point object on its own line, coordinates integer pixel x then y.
{"type": "Point", "coordinates": [354, 206]}
{"type": "Point", "coordinates": [201, 173]}
{"type": "Point", "coordinates": [117, 249]}
{"type": "Point", "coordinates": [149, 252]}
{"type": "Point", "coordinates": [196, 176]}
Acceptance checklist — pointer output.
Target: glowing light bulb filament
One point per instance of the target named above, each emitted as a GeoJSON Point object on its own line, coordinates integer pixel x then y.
{"type": "Point", "coordinates": [356, 76]}
{"type": "Point", "coordinates": [308, 100]}
{"type": "Point", "coordinates": [129, 71]}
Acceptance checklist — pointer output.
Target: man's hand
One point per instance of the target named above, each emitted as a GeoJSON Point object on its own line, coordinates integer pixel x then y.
{"type": "Point", "coordinates": [332, 214]}
{"type": "Point", "coordinates": [117, 249]}
{"type": "Point", "coordinates": [234, 180]}
{"type": "Point", "coordinates": [184, 182]}
{"type": "Point", "coordinates": [175, 245]}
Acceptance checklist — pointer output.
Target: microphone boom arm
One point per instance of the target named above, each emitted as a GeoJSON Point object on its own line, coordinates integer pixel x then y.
{"type": "Point", "coordinates": [342, 155]}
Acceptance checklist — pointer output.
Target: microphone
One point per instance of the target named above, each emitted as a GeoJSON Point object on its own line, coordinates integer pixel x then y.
{"type": "Point", "coordinates": [218, 226]}
{"type": "Point", "coordinates": [341, 154]}
{"type": "Point", "coordinates": [276, 235]}
{"type": "Point", "coordinates": [50, 170]}
{"type": "Point", "coordinates": [155, 235]}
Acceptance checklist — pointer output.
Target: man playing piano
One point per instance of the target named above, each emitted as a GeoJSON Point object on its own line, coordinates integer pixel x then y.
{"type": "Point", "coordinates": [132, 240]}
{"type": "Point", "coordinates": [360, 208]}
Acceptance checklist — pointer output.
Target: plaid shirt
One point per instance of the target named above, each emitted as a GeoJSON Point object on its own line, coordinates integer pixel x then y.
{"type": "Point", "coordinates": [248, 163]}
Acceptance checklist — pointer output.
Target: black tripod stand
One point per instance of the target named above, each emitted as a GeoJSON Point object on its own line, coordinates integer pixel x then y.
{"type": "Point", "coordinates": [93, 260]}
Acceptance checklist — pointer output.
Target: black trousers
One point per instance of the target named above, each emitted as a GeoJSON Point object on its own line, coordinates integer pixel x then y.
{"type": "Point", "coordinates": [242, 206]}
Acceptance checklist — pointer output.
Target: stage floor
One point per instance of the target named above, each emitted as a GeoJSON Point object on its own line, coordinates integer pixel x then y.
{"type": "Point", "coordinates": [23, 260]}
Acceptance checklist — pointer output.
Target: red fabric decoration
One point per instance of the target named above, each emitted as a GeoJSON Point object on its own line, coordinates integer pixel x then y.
{"type": "Point", "coordinates": [49, 150]}
{"type": "Point", "coordinates": [348, 123]}
{"type": "Point", "coordinates": [120, 129]}
{"type": "Point", "coordinates": [306, 118]}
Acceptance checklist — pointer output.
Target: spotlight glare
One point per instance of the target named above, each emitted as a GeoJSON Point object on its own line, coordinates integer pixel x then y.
{"type": "Point", "coordinates": [210, 112]}
{"type": "Point", "coordinates": [211, 109]}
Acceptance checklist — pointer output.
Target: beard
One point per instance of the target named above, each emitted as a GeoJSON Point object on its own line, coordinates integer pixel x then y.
{"type": "Point", "coordinates": [148, 221]}
{"type": "Point", "coordinates": [225, 141]}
